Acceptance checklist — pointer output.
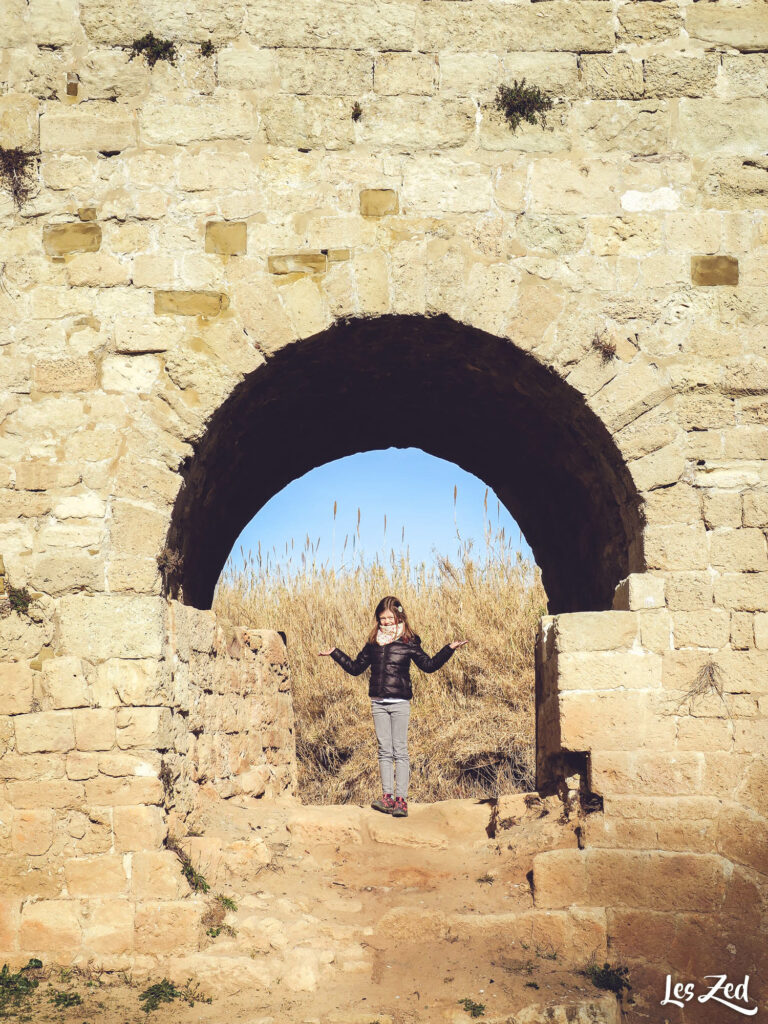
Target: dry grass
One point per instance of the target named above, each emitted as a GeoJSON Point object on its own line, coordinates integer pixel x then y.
{"type": "Point", "coordinates": [472, 722]}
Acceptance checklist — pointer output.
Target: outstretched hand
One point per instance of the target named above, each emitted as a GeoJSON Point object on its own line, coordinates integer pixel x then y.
{"type": "Point", "coordinates": [325, 654]}
{"type": "Point", "coordinates": [457, 643]}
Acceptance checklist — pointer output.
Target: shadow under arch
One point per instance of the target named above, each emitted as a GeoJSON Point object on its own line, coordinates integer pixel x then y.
{"type": "Point", "coordinates": [427, 382]}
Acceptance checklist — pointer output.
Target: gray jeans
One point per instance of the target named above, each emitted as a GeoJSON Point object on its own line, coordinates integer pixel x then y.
{"type": "Point", "coordinates": [391, 724]}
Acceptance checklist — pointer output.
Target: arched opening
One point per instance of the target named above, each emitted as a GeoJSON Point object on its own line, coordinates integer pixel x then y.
{"type": "Point", "coordinates": [451, 390]}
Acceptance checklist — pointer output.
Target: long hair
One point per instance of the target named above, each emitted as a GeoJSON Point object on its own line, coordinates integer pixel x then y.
{"type": "Point", "coordinates": [391, 604]}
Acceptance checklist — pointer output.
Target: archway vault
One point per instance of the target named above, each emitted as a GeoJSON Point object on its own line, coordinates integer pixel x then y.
{"type": "Point", "coordinates": [407, 381]}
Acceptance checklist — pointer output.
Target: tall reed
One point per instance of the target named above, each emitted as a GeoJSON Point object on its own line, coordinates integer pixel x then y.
{"type": "Point", "coordinates": [472, 722]}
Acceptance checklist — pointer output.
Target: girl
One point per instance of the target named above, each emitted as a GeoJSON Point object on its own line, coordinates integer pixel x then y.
{"type": "Point", "coordinates": [391, 647]}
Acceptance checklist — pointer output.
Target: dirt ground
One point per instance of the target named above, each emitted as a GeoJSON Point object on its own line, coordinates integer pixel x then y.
{"type": "Point", "coordinates": [363, 919]}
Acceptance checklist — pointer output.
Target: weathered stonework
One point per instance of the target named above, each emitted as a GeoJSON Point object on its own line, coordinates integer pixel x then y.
{"type": "Point", "coordinates": [577, 314]}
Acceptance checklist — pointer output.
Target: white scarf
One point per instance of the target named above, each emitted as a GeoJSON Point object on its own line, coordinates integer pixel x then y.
{"type": "Point", "coordinates": [387, 634]}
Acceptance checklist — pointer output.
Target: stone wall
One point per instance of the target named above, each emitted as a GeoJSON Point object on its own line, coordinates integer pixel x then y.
{"type": "Point", "coordinates": [102, 755]}
{"type": "Point", "coordinates": [222, 234]}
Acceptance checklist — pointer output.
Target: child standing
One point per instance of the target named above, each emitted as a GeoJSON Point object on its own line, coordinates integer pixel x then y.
{"type": "Point", "coordinates": [391, 647]}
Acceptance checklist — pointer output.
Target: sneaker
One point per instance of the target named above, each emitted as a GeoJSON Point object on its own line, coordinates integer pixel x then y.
{"type": "Point", "coordinates": [401, 808]}
{"type": "Point", "coordinates": [385, 804]}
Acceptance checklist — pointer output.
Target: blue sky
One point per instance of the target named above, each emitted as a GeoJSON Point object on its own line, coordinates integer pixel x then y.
{"type": "Point", "coordinates": [413, 489]}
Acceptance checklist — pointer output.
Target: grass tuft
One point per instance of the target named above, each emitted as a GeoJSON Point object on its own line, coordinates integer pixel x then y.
{"type": "Point", "coordinates": [520, 102]}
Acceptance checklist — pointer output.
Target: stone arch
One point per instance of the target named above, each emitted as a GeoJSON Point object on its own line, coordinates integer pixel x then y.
{"type": "Point", "coordinates": [453, 390]}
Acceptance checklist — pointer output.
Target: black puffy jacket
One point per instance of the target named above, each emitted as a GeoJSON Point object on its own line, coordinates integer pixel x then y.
{"type": "Point", "coordinates": [390, 665]}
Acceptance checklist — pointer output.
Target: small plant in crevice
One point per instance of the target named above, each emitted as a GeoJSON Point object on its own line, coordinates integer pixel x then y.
{"type": "Point", "coordinates": [170, 562]}
{"type": "Point", "coordinates": [610, 978]}
{"type": "Point", "coordinates": [472, 1008]}
{"type": "Point", "coordinates": [16, 986]}
{"type": "Point", "coordinates": [166, 778]}
{"type": "Point", "coordinates": [520, 102]}
{"type": "Point", "coordinates": [17, 599]}
{"type": "Point", "coordinates": [709, 679]}
{"type": "Point", "coordinates": [63, 1000]}
{"type": "Point", "coordinates": [166, 991]}
{"type": "Point", "coordinates": [604, 346]}
{"type": "Point", "coordinates": [486, 879]}
{"type": "Point", "coordinates": [207, 49]}
{"type": "Point", "coordinates": [357, 111]}
{"type": "Point", "coordinates": [18, 173]}
{"type": "Point", "coordinates": [197, 881]}
{"type": "Point", "coordinates": [153, 49]}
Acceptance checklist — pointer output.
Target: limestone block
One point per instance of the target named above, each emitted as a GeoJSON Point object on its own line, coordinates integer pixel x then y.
{"type": "Point", "coordinates": [556, 73]}
{"type": "Point", "coordinates": [189, 303]}
{"type": "Point", "coordinates": [595, 631]}
{"type": "Point", "coordinates": [108, 929]}
{"type": "Point", "coordinates": [411, 124]}
{"type": "Point", "coordinates": [469, 74]}
{"type": "Point", "coordinates": [88, 270]}
{"type": "Point", "coordinates": [134, 373]}
{"type": "Point", "coordinates": [742, 631]}
{"type": "Point", "coordinates": [226, 238]}
{"type": "Point", "coordinates": [105, 791]}
{"type": "Point", "coordinates": [138, 828]}
{"type": "Point", "coordinates": [378, 202]}
{"type": "Point", "coordinates": [18, 122]}
{"type": "Point", "coordinates": [303, 302]}
{"type": "Point", "coordinates": [676, 547]}
{"type": "Point", "coordinates": [82, 766]}
{"type": "Point", "coordinates": [111, 626]}
{"type": "Point", "coordinates": [689, 590]}
{"type": "Point", "coordinates": [54, 375]}
{"type": "Point", "coordinates": [743, 28]}
{"type": "Point", "coordinates": [64, 683]}
{"type": "Point", "coordinates": [134, 683]}
{"type": "Point", "coordinates": [117, 764]}
{"type": "Point", "coordinates": [714, 270]}
{"type": "Point", "coordinates": [667, 75]}
{"type": "Point", "coordinates": [143, 338]}
{"type": "Point", "coordinates": [48, 22]}
{"type": "Point", "coordinates": [440, 184]}
{"type": "Point", "coordinates": [567, 187]}
{"type": "Point", "coordinates": [167, 927]}
{"type": "Point", "coordinates": [558, 26]}
{"type": "Point", "coordinates": [307, 122]}
{"type": "Point", "coordinates": [44, 731]}
{"type": "Point", "coordinates": [96, 876]}
{"type": "Point", "coordinates": [412, 74]}
{"type": "Point", "coordinates": [702, 628]}
{"type": "Point", "coordinates": [16, 688]}
{"type": "Point", "coordinates": [640, 126]}
{"type": "Point", "coordinates": [710, 126]}
{"type": "Point", "coordinates": [649, 23]}
{"type": "Point", "coordinates": [612, 76]}
{"type": "Point", "coordinates": [136, 530]}
{"type": "Point", "coordinates": [156, 875]}
{"type": "Point", "coordinates": [330, 72]}
{"type": "Point", "coordinates": [46, 793]}
{"type": "Point", "coordinates": [241, 67]}
{"type": "Point", "coordinates": [32, 831]}
{"type": "Point", "coordinates": [103, 127]}
{"type": "Point", "coordinates": [738, 550]}
{"type": "Point", "coordinates": [50, 927]}
{"type": "Point", "coordinates": [41, 475]}
{"type": "Point", "coordinates": [607, 670]}
{"type": "Point", "coordinates": [761, 630]}
{"type": "Point", "coordinates": [95, 729]}
{"type": "Point", "coordinates": [228, 116]}
{"type": "Point", "coordinates": [638, 591]}
{"type": "Point", "coordinates": [372, 277]}
{"type": "Point", "coordinates": [143, 727]}
{"type": "Point", "coordinates": [80, 506]}
{"type": "Point", "coordinates": [745, 75]}
{"type": "Point", "coordinates": [298, 263]}
{"type": "Point", "coordinates": [721, 508]}
{"type": "Point", "coordinates": [338, 25]}
{"type": "Point", "coordinates": [743, 837]}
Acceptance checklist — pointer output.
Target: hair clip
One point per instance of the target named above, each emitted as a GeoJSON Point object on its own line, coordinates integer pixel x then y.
{"type": "Point", "coordinates": [399, 607]}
